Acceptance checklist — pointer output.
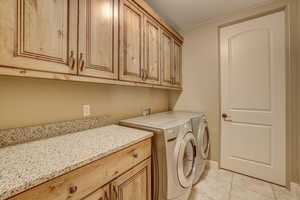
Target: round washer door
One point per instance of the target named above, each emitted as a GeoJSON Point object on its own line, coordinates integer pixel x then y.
{"type": "Point", "coordinates": [203, 139]}
{"type": "Point", "coordinates": [186, 160]}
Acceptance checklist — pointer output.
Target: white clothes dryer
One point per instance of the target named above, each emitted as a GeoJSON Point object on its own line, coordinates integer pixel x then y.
{"type": "Point", "coordinates": [201, 132]}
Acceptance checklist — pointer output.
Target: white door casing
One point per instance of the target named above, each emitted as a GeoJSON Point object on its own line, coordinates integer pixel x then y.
{"type": "Point", "coordinates": [253, 135]}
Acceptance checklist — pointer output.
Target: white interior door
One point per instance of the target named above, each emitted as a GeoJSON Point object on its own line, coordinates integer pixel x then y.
{"type": "Point", "coordinates": [253, 124]}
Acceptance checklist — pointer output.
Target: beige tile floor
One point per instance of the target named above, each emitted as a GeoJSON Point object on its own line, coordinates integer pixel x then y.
{"type": "Point", "coordinates": [225, 185]}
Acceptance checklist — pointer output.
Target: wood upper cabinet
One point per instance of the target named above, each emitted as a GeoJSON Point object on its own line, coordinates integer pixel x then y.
{"type": "Point", "coordinates": [133, 185]}
{"type": "Point", "coordinates": [166, 59]}
{"type": "Point", "coordinates": [98, 38]}
{"type": "Point", "coordinates": [177, 70]}
{"type": "Point", "coordinates": [152, 52]}
{"type": "Point", "coordinates": [104, 41]}
{"type": "Point", "coordinates": [131, 42]}
{"type": "Point", "coordinates": [39, 35]}
{"type": "Point", "coordinates": [171, 61]}
{"type": "Point", "coordinates": [101, 194]}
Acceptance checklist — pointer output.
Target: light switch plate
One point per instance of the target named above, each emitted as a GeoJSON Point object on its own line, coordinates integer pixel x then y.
{"type": "Point", "coordinates": [86, 110]}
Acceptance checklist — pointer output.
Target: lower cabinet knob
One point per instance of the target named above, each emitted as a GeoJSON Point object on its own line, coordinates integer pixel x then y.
{"type": "Point", "coordinates": [73, 189]}
{"type": "Point", "coordinates": [135, 155]}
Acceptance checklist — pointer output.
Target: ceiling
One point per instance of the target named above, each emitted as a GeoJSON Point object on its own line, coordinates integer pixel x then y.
{"type": "Point", "coordinates": [185, 14]}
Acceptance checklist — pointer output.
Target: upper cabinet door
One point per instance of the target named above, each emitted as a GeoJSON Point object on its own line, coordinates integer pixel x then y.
{"type": "Point", "coordinates": [152, 52]}
{"type": "Point", "coordinates": [177, 73]}
{"type": "Point", "coordinates": [166, 59]}
{"type": "Point", "coordinates": [98, 38]}
{"type": "Point", "coordinates": [39, 35]}
{"type": "Point", "coordinates": [131, 42]}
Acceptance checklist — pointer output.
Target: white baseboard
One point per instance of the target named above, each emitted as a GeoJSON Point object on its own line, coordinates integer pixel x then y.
{"type": "Point", "coordinates": [211, 164]}
{"type": "Point", "coordinates": [295, 188]}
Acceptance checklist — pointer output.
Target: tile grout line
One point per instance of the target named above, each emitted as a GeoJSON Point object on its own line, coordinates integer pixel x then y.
{"type": "Point", "coordinates": [274, 197]}
{"type": "Point", "coordinates": [231, 186]}
{"type": "Point", "coordinates": [274, 194]}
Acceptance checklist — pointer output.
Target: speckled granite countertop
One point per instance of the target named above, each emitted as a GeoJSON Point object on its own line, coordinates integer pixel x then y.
{"type": "Point", "coordinates": [26, 165]}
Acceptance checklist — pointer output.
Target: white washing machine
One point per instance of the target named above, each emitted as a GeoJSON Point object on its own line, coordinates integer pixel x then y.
{"type": "Point", "coordinates": [174, 154]}
{"type": "Point", "coordinates": [201, 133]}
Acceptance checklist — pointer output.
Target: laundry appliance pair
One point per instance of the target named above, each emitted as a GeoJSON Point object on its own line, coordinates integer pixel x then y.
{"type": "Point", "coordinates": [180, 151]}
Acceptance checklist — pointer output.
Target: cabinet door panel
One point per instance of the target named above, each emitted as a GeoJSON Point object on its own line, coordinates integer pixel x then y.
{"type": "Point", "coordinates": [131, 44]}
{"type": "Point", "coordinates": [101, 194]}
{"type": "Point", "coordinates": [152, 51]}
{"type": "Point", "coordinates": [177, 64]}
{"type": "Point", "coordinates": [98, 33]}
{"type": "Point", "coordinates": [135, 184]}
{"type": "Point", "coordinates": [166, 59]}
{"type": "Point", "coordinates": [39, 35]}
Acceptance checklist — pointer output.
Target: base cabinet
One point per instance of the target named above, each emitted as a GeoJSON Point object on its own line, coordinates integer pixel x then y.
{"type": "Point", "coordinates": [134, 185]}
{"type": "Point", "coordinates": [124, 175]}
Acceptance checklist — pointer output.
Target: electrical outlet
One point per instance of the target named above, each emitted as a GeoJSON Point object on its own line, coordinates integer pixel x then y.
{"type": "Point", "coordinates": [86, 110]}
{"type": "Point", "coordinates": [146, 111]}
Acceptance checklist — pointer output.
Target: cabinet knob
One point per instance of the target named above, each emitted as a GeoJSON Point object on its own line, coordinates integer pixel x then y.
{"type": "Point", "coordinates": [105, 196]}
{"type": "Point", "coordinates": [135, 155]}
{"type": "Point", "coordinates": [73, 189]}
{"type": "Point", "coordinates": [23, 72]}
{"type": "Point", "coordinates": [72, 60]}
{"type": "Point", "coordinates": [115, 191]}
{"type": "Point", "coordinates": [142, 74]}
{"type": "Point", "coordinates": [81, 62]}
{"type": "Point", "coordinates": [147, 74]}
{"type": "Point", "coordinates": [173, 80]}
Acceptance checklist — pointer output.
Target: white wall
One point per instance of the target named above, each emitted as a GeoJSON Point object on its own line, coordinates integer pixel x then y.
{"type": "Point", "coordinates": [201, 76]}
{"type": "Point", "coordinates": [200, 79]}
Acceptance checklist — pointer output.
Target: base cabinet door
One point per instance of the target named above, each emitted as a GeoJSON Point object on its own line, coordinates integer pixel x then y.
{"type": "Point", "coordinates": [39, 35]}
{"type": "Point", "coordinates": [133, 185]}
{"type": "Point", "coordinates": [166, 59]}
{"type": "Point", "coordinates": [131, 42]}
{"type": "Point", "coordinates": [101, 194]}
{"type": "Point", "coordinates": [98, 38]}
{"type": "Point", "coordinates": [177, 70]}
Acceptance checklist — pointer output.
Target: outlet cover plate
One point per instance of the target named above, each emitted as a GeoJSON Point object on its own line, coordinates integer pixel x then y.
{"type": "Point", "coordinates": [86, 110]}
